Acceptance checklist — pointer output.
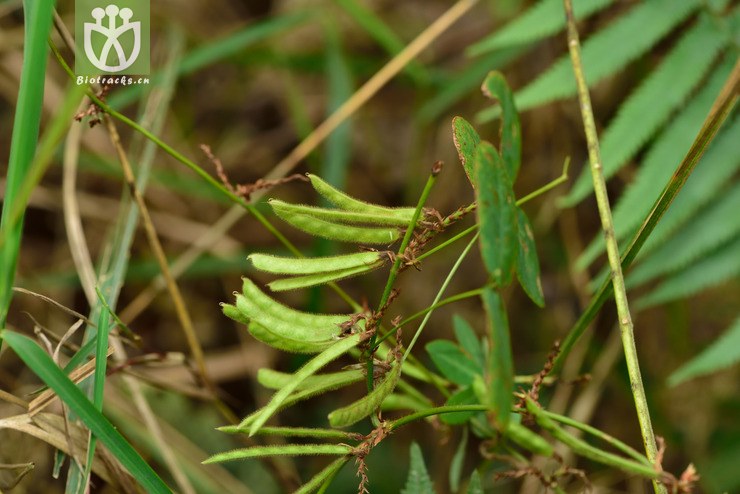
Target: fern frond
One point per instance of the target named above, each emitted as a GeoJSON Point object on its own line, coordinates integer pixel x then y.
{"type": "Point", "coordinates": [722, 353]}
{"type": "Point", "coordinates": [604, 53]}
{"type": "Point", "coordinates": [650, 105]}
{"type": "Point", "coordinates": [720, 163]}
{"type": "Point", "coordinates": [722, 265]}
{"type": "Point", "coordinates": [659, 163]}
{"type": "Point", "coordinates": [714, 226]}
{"type": "Point", "coordinates": [542, 20]}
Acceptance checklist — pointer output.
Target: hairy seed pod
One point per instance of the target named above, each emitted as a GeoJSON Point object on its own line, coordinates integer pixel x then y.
{"type": "Point", "coordinates": [288, 329]}
{"type": "Point", "coordinates": [354, 412]}
{"type": "Point", "coordinates": [314, 265]}
{"type": "Point", "coordinates": [232, 312]}
{"type": "Point", "coordinates": [308, 369]}
{"type": "Point", "coordinates": [348, 203]}
{"type": "Point", "coordinates": [280, 311]}
{"type": "Point", "coordinates": [273, 379]}
{"type": "Point", "coordinates": [290, 345]}
{"type": "Point", "coordinates": [320, 278]}
{"type": "Point", "coordinates": [336, 231]}
{"type": "Point", "coordinates": [340, 216]}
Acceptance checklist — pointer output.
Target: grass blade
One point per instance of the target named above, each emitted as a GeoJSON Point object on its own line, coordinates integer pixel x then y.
{"type": "Point", "coordinates": [38, 16]}
{"type": "Point", "coordinates": [42, 365]}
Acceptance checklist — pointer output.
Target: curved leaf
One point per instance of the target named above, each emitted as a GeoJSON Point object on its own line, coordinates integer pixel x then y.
{"type": "Point", "coordinates": [452, 362]}
{"type": "Point", "coordinates": [527, 262]}
{"type": "Point", "coordinates": [500, 376]}
{"type": "Point", "coordinates": [466, 141]}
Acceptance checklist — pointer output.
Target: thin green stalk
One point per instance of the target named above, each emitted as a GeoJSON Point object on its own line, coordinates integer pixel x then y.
{"type": "Point", "coordinates": [397, 263]}
{"type": "Point", "coordinates": [38, 16]}
{"type": "Point", "coordinates": [439, 293]}
{"type": "Point", "coordinates": [611, 440]}
{"type": "Point", "coordinates": [620, 293]}
{"type": "Point", "coordinates": [429, 412]}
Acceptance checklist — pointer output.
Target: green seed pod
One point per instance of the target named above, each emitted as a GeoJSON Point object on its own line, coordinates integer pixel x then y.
{"type": "Point", "coordinates": [280, 311]}
{"type": "Point", "coordinates": [366, 405]}
{"type": "Point", "coordinates": [340, 216]}
{"type": "Point", "coordinates": [348, 203]}
{"type": "Point", "coordinates": [285, 344]}
{"type": "Point", "coordinates": [528, 439]}
{"type": "Point", "coordinates": [308, 369]}
{"type": "Point", "coordinates": [336, 231]}
{"type": "Point", "coordinates": [273, 379]}
{"type": "Point", "coordinates": [314, 265]}
{"type": "Point", "coordinates": [232, 312]}
{"type": "Point", "coordinates": [320, 278]}
{"type": "Point", "coordinates": [293, 330]}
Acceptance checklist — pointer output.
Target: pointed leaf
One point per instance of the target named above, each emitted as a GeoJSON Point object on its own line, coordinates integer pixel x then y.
{"type": "Point", "coordinates": [633, 126]}
{"type": "Point", "coordinates": [475, 487]}
{"type": "Point", "coordinates": [496, 88]}
{"type": "Point", "coordinates": [458, 462]}
{"type": "Point", "coordinates": [418, 481]}
{"type": "Point", "coordinates": [500, 377]}
{"type": "Point", "coordinates": [605, 52]}
{"type": "Point", "coordinates": [722, 353]}
{"type": "Point", "coordinates": [496, 214]}
{"type": "Point", "coordinates": [527, 261]}
{"type": "Point", "coordinates": [543, 19]}
{"type": "Point", "coordinates": [452, 362]}
{"type": "Point", "coordinates": [464, 396]}
{"type": "Point", "coordinates": [468, 339]}
{"type": "Point", "coordinates": [466, 142]}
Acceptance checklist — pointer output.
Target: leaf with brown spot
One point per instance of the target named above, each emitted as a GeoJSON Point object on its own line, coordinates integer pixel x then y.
{"type": "Point", "coordinates": [466, 142]}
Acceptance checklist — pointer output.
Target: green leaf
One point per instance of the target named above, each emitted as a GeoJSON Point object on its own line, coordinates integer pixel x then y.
{"type": "Point", "coordinates": [543, 19]}
{"type": "Point", "coordinates": [496, 214]}
{"type": "Point", "coordinates": [474, 486]}
{"type": "Point", "coordinates": [468, 339]}
{"type": "Point", "coordinates": [280, 450]}
{"type": "Point", "coordinates": [366, 405]}
{"type": "Point", "coordinates": [722, 353]}
{"type": "Point", "coordinates": [527, 261]}
{"type": "Point", "coordinates": [605, 52]}
{"type": "Point", "coordinates": [24, 139]}
{"type": "Point", "coordinates": [383, 35]}
{"type": "Point", "coordinates": [496, 88]}
{"type": "Point", "coordinates": [500, 376]}
{"type": "Point", "coordinates": [42, 365]}
{"type": "Point", "coordinates": [633, 126]}
{"type": "Point", "coordinates": [452, 362]}
{"type": "Point", "coordinates": [458, 462]}
{"type": "Point", "coordinates": [670, 147]}
{"type": "Point", "coordinates": [464, 396]}
{"type": "Point", "coordinates": [712, 228]}
{"type": "Point", "coordinates": [466, 141]}
{"type": "Point", "coordinates": [418, 480]}
{"type": "Point", "coordinates": [720, 266]}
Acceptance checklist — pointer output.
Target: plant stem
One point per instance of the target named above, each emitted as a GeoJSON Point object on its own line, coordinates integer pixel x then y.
{"type": "Point", "coordinates": [436, 168]}
{"type": "Point", "coordinates": [602, 199]}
